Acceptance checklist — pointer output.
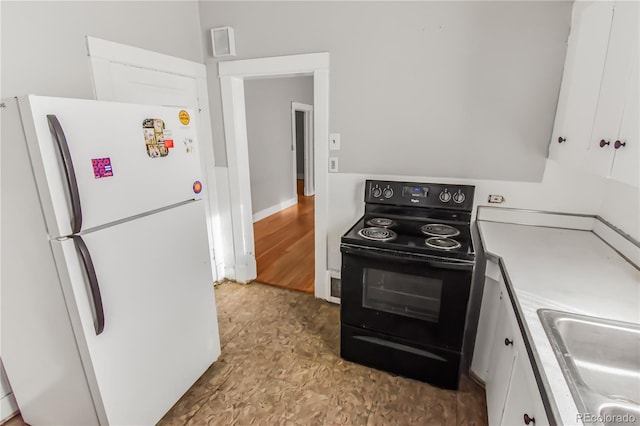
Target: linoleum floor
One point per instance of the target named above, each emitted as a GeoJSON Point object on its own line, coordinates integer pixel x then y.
{"type": "Point", "coordinates": [281, 365]}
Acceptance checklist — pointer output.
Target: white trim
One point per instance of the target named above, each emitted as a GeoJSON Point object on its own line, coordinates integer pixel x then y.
{"type": "Point", "coordinates": [103, 53]}
{"type": "Point", "coordinates": [534, 218]}
{"type": "Point", "coordinates": [623, 245]}
{"type": "Point", "coordinates": [8, 407]}
{"type": "Point", "coordinates": [281, 66]}
{"type": "Point", "coordinates": [232, 75]}
{"type": "Point", "coordinates": [307, 176]}
{"type": "Point", "coordinates": [274, 209]}
{"type": "Point", "coordinates": [135, 56]}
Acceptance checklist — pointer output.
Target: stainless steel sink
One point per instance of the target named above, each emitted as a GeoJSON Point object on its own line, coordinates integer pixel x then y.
{"type": "Point", "coordinates": [601, 362]}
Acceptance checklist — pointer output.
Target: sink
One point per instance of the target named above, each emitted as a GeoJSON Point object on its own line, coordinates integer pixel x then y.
{"type": "Point", "coordinates": [600, 360]}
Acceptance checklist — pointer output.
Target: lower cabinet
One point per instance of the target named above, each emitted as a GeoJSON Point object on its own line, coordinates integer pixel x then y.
{"type": "Point", "coordinates": [501, 360]}
{"type": "Point", "coordinates": [503, 356]}
{"type": "Point", "coordinates": [523, 405]}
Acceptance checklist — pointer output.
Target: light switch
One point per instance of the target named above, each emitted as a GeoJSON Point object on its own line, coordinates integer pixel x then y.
{"type": "Point", "coordinates": [334, 141]}
{"type": "Point", "coordinates": [333, 164]}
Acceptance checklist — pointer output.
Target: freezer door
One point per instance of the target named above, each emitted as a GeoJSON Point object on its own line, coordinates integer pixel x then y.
{"type": "Point", "coordinates": [108, 161]}
{"type": "Point", "coordinates": [160, 327]}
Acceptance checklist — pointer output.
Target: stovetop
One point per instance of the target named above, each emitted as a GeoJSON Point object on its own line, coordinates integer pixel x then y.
{"type": "Point", "coordinates": [416, 218]}
{"type": "Point", "coordinates": [410, 238]}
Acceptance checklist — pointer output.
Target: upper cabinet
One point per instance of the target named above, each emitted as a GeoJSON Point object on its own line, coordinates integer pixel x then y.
{"type": "Point", "coordinates": [596, 125]}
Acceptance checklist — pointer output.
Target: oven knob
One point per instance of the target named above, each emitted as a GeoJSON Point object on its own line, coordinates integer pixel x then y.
{"type": "Point", "coordinates": [388, 192]}
{"type": "Point", "coordinates": [458, 197]}
{"type": "Point", "coordinates": [377, 192]}
{"type": "Point", "coordinates": [445, 196]}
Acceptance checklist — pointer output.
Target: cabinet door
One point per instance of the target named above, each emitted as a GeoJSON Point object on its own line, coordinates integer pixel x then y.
{"type": "Point", "coordinates": [523, 399]}
{"type": "Point", "coordinates": [614, 88]}
{"type": "Point", "coordinates": [486, 328]}
{"type": "Point", "coordinates": [501, 365]}
{"type": "Point", "coordinates": [584, 64]}
{"type": "Point", "coordinates": [627, 157]}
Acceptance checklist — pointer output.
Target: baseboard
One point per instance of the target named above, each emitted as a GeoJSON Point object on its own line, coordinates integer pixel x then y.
{"type": "Point", "coordinates": [274, 209]}
{"type": "Point", "coordinates": [8, 407]}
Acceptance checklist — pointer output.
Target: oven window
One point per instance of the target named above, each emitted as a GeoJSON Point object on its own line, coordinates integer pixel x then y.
{"type": "Point", "coordinates": [402, 294]}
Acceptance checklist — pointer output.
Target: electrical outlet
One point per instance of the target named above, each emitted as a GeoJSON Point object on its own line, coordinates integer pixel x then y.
{"type": "Point", "coordinates": [334, 141]}
{"type": "Point", "coordinates": [333, 164]}
{"type": "Point", "coordinates": [496, 199]}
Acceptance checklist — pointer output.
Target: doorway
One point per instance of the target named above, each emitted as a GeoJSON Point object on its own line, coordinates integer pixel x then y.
{"type": "Point", "coordinates": [232, 75]}
{"type": "Point", "coordinates": [302, 134]}
{"type": "Point", "coordinates": [283, 217]}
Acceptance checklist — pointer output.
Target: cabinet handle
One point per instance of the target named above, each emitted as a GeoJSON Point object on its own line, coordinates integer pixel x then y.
{"type": "Point", "coordinates": [619, 144]}
{"type": "Point", "coordinates": [528, 420]}
{"type": "Point", "coordinates": [604, 143]}
{"type": "Point", "coordinates": [561, 139]}
{"type": "Point", "coordinates": [507, 342]}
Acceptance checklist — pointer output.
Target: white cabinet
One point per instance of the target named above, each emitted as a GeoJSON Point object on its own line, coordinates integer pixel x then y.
{"type": "Point", "coordinates": [486, 322]}
{"type": "Point", "coordinates": [523, 405]}
{"type": "Point", "coordinates": [618, 93]}
{"type": "Point", "coordinates": [598, 99]}
{"type": "Point", "coordinates": [503, 355]}
{"type": "Point", "coordinates": [625, 161]}
{"type": "Point", "coordinates": [584, 64]}
{"type": "Point", "coordinates": [500, 359]}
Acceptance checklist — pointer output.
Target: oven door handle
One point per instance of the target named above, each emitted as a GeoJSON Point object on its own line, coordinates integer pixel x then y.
{"type": "Point", "coordinates": [392, 256]}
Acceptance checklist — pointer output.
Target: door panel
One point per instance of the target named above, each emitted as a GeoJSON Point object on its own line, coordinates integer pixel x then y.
{"type": "Point", "coordinates": [161, 329]}
{"type": "Point", "coordinates": [503, 356]}
{"type": "Point", "coordinates": [138, 177]}
{"type": "Point", "coordinates": [140, 85]}
{"type": "Point", "coordinates": [625, 166]}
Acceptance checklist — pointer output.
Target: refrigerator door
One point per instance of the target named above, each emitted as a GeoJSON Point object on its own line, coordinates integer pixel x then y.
{"type": "Point", "coordinates": [160, 327]}
{"type": "Point", "coordinates": [100, 162]}
{"type": "Point", "coordinates": [39, 349]}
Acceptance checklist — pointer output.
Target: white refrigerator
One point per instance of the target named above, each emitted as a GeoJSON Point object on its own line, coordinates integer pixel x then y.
{"type": "Point", "coordinates": [107, 303]}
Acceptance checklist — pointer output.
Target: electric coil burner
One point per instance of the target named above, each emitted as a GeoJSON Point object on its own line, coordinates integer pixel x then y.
{"type": "Point", "coordinates": [442, 243]}
{"type": "Point", "coordinates": [439, 230]}
{"type": "Point", "coordinates": [377, 234]}
{"type": "Point", "coordinates": [381, 222]}
{"type": "Point", "coordinates": [404, 292]}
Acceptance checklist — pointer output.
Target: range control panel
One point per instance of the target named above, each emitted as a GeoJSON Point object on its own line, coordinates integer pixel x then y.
{"type": "Point", "coordinates": [416, 194]}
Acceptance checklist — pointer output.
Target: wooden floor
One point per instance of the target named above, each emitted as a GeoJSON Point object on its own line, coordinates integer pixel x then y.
{"type": "Point", "coordinates": [285, 246]}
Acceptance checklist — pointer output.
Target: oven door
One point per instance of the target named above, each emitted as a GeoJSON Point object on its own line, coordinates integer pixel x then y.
{"type": "Point", "coordinates": [418, 298]}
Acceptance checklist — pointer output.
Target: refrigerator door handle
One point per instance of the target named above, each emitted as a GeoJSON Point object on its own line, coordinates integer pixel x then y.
{"type": "Point", "coordinates": [93, 283]}
{"type": "Point", "coordinates": [72, 183]}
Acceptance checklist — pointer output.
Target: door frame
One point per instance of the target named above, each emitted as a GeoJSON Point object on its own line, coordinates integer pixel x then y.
{"type": "Point", "coordinates": [232, 75]}
{"type": "Point", "coordinates": [102, 53]}
{"type": "Point", "coordinates": [307, 111]}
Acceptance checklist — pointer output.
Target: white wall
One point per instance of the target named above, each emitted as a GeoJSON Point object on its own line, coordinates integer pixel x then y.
{"type": "Point", "coordinates": [43, 52]}
{"type": "Point", "coordinates": [621, 207]}
{"type": "Point", "coordinates": [561, 190]}
{"type": "Point", "coordinates": [43, 43]}
{"type": "Point", "coordinates": [271, 162]}
{"type": "Point", "coordinates": [459, 89]}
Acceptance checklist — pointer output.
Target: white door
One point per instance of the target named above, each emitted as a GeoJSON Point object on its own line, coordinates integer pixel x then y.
{"type": "Point", "coordinates": [127, 159]}
{"type": "Point", "coordinates": [123, 73]}
{"type": "Point", "coordinates": [160, 330]}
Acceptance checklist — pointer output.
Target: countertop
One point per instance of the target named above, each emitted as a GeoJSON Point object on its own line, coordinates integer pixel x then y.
{"type": "Point", "coordinates": [564, 269]}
